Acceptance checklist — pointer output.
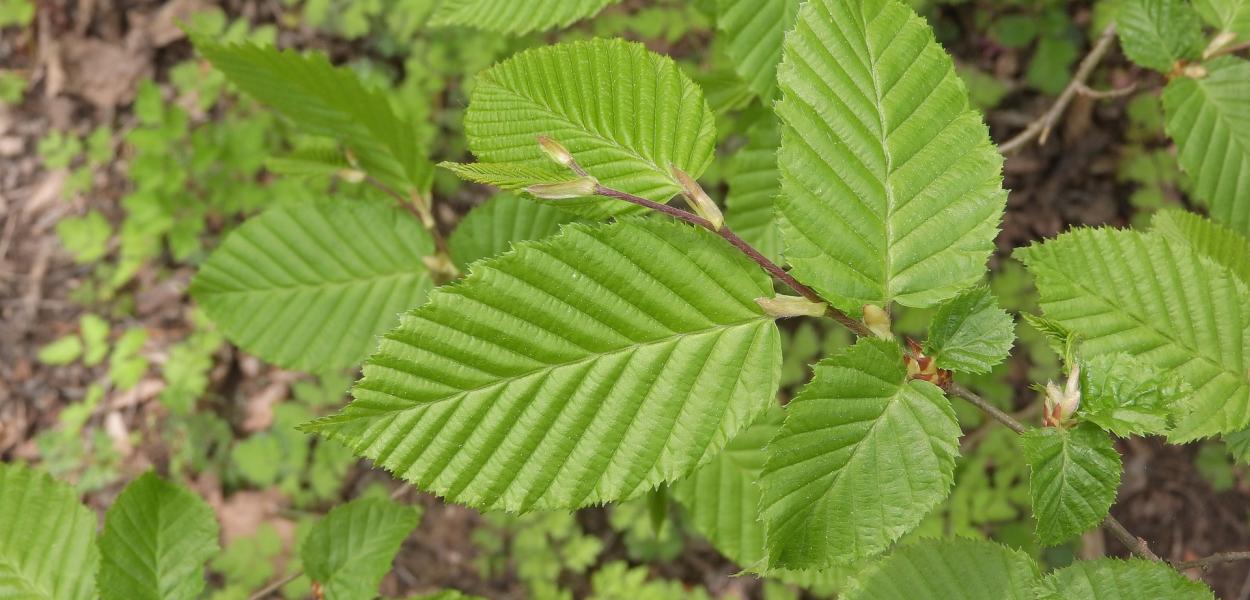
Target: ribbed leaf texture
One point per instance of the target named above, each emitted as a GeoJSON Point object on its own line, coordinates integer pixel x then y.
{"type": "Point", "coordinates": [493, 227]}
{"type": "Point", "coordinates": [862, 456]}
{"type": "Point", "coordinates": [580, 369]}
{"type": "Point", "coordinates": [1127, 396]}
{"type": "Point", "coordinates": [1113, 579]}
{"type": "Point", "coordinates": [157, 537]}
{"type": "Point", "coordinates": [509, 176]}
{"type": "Point", "coordinates": [1157, 33]}
{"type": "Point", "coordinates": [1073, 477]}
{"type": "Point", "coordinates": [754, 31]}
{"type": "Point", "coordinates": [1154, 298]}
{"type": "Point", "coordinates": [951, 568]}
{"type": "Point", "coordinates": [513, 17]}
{"type": "Point", "coordinates": [328, 101]}
{"type": "Point", "coordinates": [1210, 120]}
{"type": "Point", "coordinates": [347, 552]}
{"type": "Point", "coordinates": [309, 286]}
{"type": "Point", "coordinates": [624, 112]}
{"type": "Point", "coordinates": [891, 188]}
{"type": "Point", "coordinates": [1210, 239]}
{"type": "Point", "coordinates": [47, 538]}
{"type": "Point", "coordinates": [970, 333]}
{"type": "Point", "coordinates": [754, 183]}
{"type": "Point", "coordinates": [722, 497]}
{"type": "Point", "coordinates": [1227, 15]}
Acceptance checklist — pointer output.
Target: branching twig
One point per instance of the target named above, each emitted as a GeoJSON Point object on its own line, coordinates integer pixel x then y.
{"type": "Point", "coordinates": [1214, 559]}
{"type": "Point", "coordinates": [273, 587]}
{"type": "Point", "coordinates": [1135, 544]}
{"type": "Point", "coordinates": [1040, 128]}
{"type": "Point", "coordinates": [960, 391]}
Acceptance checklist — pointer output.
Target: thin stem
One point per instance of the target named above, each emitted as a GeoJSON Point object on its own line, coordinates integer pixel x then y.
{"type": "Point", "coordinates": [1135, 544]}
{"type": "Point", "coordinates": [755, 255]}
{"type": "Point", "coordinates": [1040, 128]}
{"type": "Point", "coordinates": [1214, 559]}
{"type": "Point", "coordinates": [960, 391]}
{"type": "Point", "coordinates": [442, 266]}
{"type": "Point", "coordinates": [273, 587]}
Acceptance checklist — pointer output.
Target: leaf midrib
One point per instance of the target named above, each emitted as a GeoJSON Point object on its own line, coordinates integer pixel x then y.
{"type": "Point", "coordinates": [719, 328]}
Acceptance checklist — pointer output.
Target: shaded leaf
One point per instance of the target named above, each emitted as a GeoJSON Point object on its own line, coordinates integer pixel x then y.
{"type": "Point", "coordinates": [493, 227]}
{"type": "Point", "coordinates": [1109, 578]}
{"type": "Point", "coordinates": [515, 18]}
{"type": "Point", "coordinates": [951, 568]}
{"type": "Point", "coordinates": [351, 548]}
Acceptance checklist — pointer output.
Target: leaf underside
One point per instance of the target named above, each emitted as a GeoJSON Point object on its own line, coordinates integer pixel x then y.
{"type": "Point", "coordinates": [47, 545]}
{"type": "Point", "coordinates": [157, 537]}
{"type": "Point", "coordinates": [862, 456]}
{"type": "Point", "coordinates": [1210, 120]}
{"type": "Point", "coordinates": [625, 113]}
{"type": "Point", "coordinates": [1158, 300]}
{"type": "Point", "coordinates": [308, 287]}
{"type": "Point", "coordinates": [580, 369]}
{"type": "Point", "coordinates": [513, 17]}
{"type": "Point", "coordinates": [891, 188]}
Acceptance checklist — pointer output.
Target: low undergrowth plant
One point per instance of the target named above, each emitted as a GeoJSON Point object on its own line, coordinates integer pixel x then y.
{"type": "Point", "coordinates": [578, 340]}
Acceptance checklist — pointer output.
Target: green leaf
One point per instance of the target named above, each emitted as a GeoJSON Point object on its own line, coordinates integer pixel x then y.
{"type": "Point", "coordinates": [515, 18]}
{"type": "Point", "coordinates": [1126, 396]}
{"type": "Point", "coordinates": [1210, 120]}
{"type": "Point", "coordinates": [316, 160]}
{"type": "Point", "coordinates": [62, 351]}
{"type": "Point", "coordinates": [1154, 298]}
{"type": "Point", "coordinates": [754, 31]}
{"type": "Point", "coordinates": [1061, 340]}
{"type": "Point", "coordinates": [1073, 477]}
{"type": "Point", "coordinates": [754, 183]}
{"type": "Point", "coordinates": [85, 237]}
{"type": "Point", "coordinates": [863, 455]}
{"type": "Point", "coordinates": [1108, 578]}
{"type": "Point", "coordinates": [1227, 15]}
{"type": "Point", "coordinates": [157, 538]}
{"type": "Point", "coordinates": [509, 176]}
{"type": "Point", "coordinates": [891, 188]}
{"type": "Point", "coordinates": [951, 568]}
{"type": "Point", "coordinates": [492, 228]}
{"type": "Point", "coordinates": [1210, 239]}
{"type": "Point", "coordinates": [970, 333]}
{"type": "Point", "coordinates": [580, 369]}
{"type": "Point", "coordinates": [1157, 33]}
{"type": "Point", "coordinates": [722, 497]}
{"type": "Point", "coordinates": [351, 549]}
{"type": "Point", "coordinates": [47, 545]}
{"type": "Point", "coordinates": [328, 101]}
{"type": "Point", "coordinates": [307, 287]}
{"type": "Point", "coordinates": [624, 112]}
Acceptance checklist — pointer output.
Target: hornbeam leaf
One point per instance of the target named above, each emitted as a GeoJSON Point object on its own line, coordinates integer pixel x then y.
{"type": "Point", "coordinates": [754, 183]}
{"type": "Point", "coordinates": [1158, 33]}
{"type": "Point", "coordinates": [307, 287]}
{"type": "Point", "coordinates": [584, 368]}
{"type": "Point", "coordinates": [514, 17]}
{"type": "Point", "coordinates": [493, 227]}
{"type": "Point", "coordinates": [1210, 120]}
{"type": "Point", "coordinates": [1158, 300]}
{"type": "Point", "coordinates": [891, 188]}
{"type": "Point", "coordinates": [1108, 578]}
{"type": "Point", "coordinates": [862, 456]}
{"type": "Point", "coordinates": [1227, 15]}
{"type": "Point", "coordinates": [625, 113]}
{"type": "Point", "coordinates": [1127, 396]}
{"type": "Point", "coordinates": [1210, 239]}
{"type": "Point", "coordinates": [970, 333]}
{"type": "Point", "coordinates": [755, 30]}
{"type": "Point", "coordinates": [157, 537]}
{"type": "Point", "coordinates": [349, 551]}
{"type": "Point", "coordinates": [1073, 478]}
{"type": "Point", "coordinates": [509, 176]}
{"type": "Point", "coordinates": [47, 538]}
{"type": "Point", "coordinates": [328, 101]}
{"type": "Point", "coordinates": [951, 568]}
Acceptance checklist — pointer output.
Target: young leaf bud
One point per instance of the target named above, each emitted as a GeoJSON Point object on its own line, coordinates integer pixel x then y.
{"type": "Point", "coordinates": [1061, 404]}
{"type": "Point", "coordinates": [576, 188]}
{"type": "Point", "coordinates": [878, 321]}
{"type": "Point", "coordinates": [699, 200]}
{"type": "Point", "coordinates": [782, 306]}
{"type": "Point", "coordinates": [556, 151]}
